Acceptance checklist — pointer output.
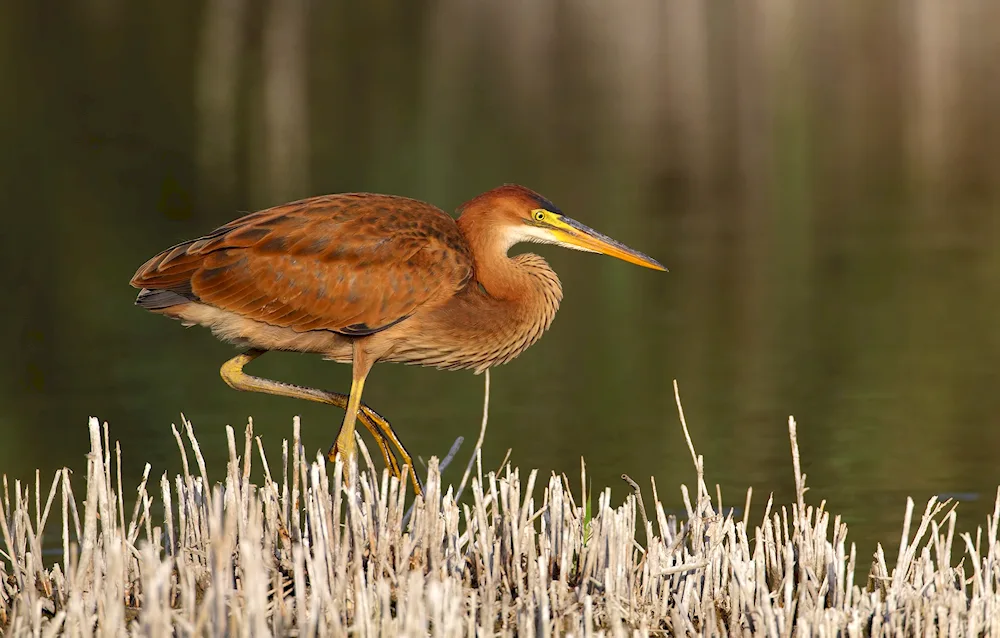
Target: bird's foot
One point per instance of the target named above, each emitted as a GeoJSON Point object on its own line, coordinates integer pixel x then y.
{"type": "Point", "coordinates": [384, 435]}
{"type": "Point", "coordinates": [344, 449]}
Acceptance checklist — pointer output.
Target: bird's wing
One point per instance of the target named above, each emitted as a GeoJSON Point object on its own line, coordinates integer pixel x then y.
{"type": "Point", "coordinates": [353, 263]}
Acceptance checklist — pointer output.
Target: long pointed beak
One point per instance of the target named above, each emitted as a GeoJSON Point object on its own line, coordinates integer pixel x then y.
{"type": "Point", "coordinates": [573, 234]}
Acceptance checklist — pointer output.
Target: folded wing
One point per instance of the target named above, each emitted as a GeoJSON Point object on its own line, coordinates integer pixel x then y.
{"type": "Point", "coordinates": [352, 263]}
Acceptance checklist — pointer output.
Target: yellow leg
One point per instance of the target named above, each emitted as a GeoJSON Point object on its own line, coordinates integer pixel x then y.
{"type": "Point", "coordinates": [232, 373]}
{"type": "Point", "coordinates": [344, 444]}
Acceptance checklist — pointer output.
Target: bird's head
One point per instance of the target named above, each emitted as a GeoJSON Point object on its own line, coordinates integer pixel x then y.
{"type": "Point", "coordinates": [513, 214]}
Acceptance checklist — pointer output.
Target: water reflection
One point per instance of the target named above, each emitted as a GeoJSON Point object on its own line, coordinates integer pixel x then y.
{"type": "Point", "coordinates": [822, 181]}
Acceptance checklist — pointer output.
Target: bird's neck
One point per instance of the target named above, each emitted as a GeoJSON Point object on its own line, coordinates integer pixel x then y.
{"type": "Point", "coordinates": [525, 280]}
{"type": "Point", "coordinates": [503, 277]}
{"type": "Point", "coordinates": [522, 290]}
{"type": "Point", "coordinates": [497, 316]}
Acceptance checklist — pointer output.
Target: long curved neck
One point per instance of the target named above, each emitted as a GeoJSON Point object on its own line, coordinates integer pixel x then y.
{"type": "Point", "coordinates": [525, 284]}
{"type": "Point", "coordinates": [506, 307]}
{"type": "Point", "coordinates": [522, 295]}
{"type": "Point", "coordinates": [502, 277]}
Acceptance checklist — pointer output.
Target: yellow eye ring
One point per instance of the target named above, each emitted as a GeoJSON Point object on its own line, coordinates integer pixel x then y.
{"type": "Point", "coordinates": [539, 215]}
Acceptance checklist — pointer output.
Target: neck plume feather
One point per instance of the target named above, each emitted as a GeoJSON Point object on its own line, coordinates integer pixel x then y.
{"type": "Point", "coordinates": [486, 330]}
{"type": "Point", "coordinates": [522, 293]}
{"type": "Point", "coordinates": [521, 303]}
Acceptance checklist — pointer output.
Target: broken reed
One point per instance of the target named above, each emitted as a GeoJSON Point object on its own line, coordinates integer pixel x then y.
{"type": "Point", "coordinates": [304, 554]}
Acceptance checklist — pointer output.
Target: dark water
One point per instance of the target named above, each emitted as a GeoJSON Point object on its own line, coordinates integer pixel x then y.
{"type": "Point", "coordinates": [823, 184]}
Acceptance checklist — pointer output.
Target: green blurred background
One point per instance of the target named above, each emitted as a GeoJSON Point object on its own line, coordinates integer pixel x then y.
{"type": "Point", "coordinates": [822, 180]}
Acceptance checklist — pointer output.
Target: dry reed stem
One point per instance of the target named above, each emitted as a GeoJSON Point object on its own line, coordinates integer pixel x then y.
{"type": "Point", "coordinates": [304, 554]}
{"type": "Point", "coordinates": [482, 436]}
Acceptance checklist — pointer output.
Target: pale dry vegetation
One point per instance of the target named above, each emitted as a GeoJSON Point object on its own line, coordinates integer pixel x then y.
{"type": "Point", "coordinates": [305, 554]}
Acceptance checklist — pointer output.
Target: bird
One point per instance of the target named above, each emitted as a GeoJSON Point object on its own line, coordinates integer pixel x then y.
{"type": "Point", "coordinates": [361, 278]}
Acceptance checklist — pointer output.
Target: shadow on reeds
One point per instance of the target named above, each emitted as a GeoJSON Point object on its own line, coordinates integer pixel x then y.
{"type": "Point", "coordinates": [305, 554]}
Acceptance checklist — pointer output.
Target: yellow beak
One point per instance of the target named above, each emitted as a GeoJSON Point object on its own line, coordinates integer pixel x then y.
{"type": "Point", "coordinates": [573, 234]}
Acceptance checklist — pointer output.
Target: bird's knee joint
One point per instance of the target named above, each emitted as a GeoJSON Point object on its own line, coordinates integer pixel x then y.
{"type": "Point", "coordinates": [231, 373]}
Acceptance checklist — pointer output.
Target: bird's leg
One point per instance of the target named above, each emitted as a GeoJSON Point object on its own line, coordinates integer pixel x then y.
{"type": "Point", "coordinates": [233, 375]}
{"type": "Point", "coordinates": [344, 444]}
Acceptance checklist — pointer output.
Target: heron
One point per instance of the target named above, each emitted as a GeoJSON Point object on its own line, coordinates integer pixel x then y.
{"type": "Point", "coordinates": [362, 278]}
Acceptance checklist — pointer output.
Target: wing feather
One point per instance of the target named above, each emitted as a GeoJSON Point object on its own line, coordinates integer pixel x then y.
{"type": "Point", "coordinates": [354, 263]}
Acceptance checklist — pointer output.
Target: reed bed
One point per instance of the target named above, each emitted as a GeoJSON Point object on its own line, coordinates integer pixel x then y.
{"type": "Point", "coordinates": [306, 553]}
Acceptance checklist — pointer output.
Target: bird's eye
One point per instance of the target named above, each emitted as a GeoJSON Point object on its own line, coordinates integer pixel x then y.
{"type": "Point", "coordinates": [539, 215]}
